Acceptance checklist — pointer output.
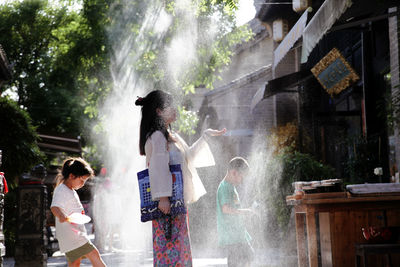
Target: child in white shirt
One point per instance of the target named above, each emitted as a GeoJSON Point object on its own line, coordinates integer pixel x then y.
{"type": "Point", "coordinates": [72, 238]}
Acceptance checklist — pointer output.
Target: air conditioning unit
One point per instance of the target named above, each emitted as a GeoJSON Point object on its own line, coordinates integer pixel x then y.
{"type": "Point", "coordinates": [300, 5]}
{"type": "Point", "coordinates": [279, 29]}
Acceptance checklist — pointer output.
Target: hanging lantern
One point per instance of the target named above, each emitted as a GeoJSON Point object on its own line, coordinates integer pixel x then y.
{"type": "Point", "coordinates": [279, 29]}
{"type": "Point", "coordinates": [300, 5]}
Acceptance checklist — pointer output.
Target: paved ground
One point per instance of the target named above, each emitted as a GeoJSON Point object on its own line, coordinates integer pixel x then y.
{"type": "Point", "coordinates": [135, 258]}
{"type": "Point", "coordinates": [125, 259]}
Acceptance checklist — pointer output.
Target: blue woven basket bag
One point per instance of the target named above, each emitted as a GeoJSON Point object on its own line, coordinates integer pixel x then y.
{"type": "Point", "coordinates": [149, 208]}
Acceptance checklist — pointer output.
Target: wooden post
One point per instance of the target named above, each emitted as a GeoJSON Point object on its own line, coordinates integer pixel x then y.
{"type": "Point", "coordinates": [312, 237]}
{"type": "Point", "coordinates": [325, 239]}
{"type": "Point", "coordinates": [301, 240]}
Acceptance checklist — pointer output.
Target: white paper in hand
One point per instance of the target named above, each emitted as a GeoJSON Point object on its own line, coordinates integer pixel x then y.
{"type": "Point", "coordinates": [78, 218]}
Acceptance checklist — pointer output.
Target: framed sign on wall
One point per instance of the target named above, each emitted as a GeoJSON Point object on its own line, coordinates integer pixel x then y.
{"type": "Point", "coordinates": [334, 73]}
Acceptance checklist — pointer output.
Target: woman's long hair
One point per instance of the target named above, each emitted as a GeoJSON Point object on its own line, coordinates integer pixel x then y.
{"type": "Point", "coordinates": [151, 121]}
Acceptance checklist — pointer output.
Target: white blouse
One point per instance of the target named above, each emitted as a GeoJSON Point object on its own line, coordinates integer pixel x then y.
{"type": "Point", "coordinates": [160, 154]}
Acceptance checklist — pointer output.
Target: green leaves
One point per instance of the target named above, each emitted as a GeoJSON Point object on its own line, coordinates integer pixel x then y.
{"type": "Point", "coordinates": [215, 39]}
{"type": "Point", "coordinates": [186, 122]}
{"type": "Point", "coordinates": [18, 140]}
{"type": "Point", "coordinates": [61, 54]}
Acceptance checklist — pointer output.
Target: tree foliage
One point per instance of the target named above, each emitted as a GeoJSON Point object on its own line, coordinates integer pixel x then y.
{"type": "Point", "coordinates": [18, 140]}
{"type": "Point", "coordinates": [62, 56]}
{"type": "Point", "coordinates": [57, 55]}
{"type": "Point", "coordinates": [186, 121]}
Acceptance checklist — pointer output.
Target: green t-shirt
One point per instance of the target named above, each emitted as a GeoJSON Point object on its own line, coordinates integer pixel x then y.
{"type": "Point", "coordinates": [231, 228]}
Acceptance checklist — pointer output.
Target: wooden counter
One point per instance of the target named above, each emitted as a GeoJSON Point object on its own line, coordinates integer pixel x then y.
{"type": "Point", "coordinates": [328, 225]}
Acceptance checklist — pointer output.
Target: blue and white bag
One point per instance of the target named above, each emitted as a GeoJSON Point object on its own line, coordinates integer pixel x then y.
{"type": "Point", "coordinates": [149, 208]}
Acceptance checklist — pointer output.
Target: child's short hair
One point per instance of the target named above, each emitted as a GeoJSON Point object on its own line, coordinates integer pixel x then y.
{"type": "Point", "coordinates": [239, 164]}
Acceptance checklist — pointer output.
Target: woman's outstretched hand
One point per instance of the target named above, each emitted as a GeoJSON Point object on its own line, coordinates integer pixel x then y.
{"type": "Point", "coordinates": [212, 132]}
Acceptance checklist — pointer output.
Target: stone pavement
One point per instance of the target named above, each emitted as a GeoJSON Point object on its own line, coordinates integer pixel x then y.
{"type": "Point", "coordinates": [124, 259]}
{"type": "Point", "coordinates": [139, 258]}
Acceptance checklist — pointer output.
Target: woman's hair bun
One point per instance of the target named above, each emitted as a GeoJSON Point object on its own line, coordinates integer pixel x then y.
{"type": "Point", "coordinates": [139, 101]}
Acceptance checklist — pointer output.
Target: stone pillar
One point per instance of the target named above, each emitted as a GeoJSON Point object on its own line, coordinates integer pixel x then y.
{"type": "Point", "coordinates": [394, 40]}
{"type": "Point", "coordinates": [30, 247]}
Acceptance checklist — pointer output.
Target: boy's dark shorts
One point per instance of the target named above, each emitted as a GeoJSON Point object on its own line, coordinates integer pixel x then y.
{"type": "Point", "coordinates": [239, 254]}
{"type": "Point", "coordinates": [77, 253]}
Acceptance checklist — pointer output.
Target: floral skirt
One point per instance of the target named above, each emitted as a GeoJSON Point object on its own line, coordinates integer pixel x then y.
{"type": "Point", "coordinates": [173, 252]}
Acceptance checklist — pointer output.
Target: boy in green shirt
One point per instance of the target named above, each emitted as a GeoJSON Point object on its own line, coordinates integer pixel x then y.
{"type": "Point", "coordinates": [232, 233]}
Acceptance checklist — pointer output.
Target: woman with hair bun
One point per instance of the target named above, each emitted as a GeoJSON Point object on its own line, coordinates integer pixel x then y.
{"type": "Point", "coordinates": [162, 148]}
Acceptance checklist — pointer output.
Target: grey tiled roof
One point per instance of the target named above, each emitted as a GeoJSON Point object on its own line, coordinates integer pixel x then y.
{"type": "Point", "coordinates": [260, 33]}
{"type": "Point", "coordinates": [237, 83]}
